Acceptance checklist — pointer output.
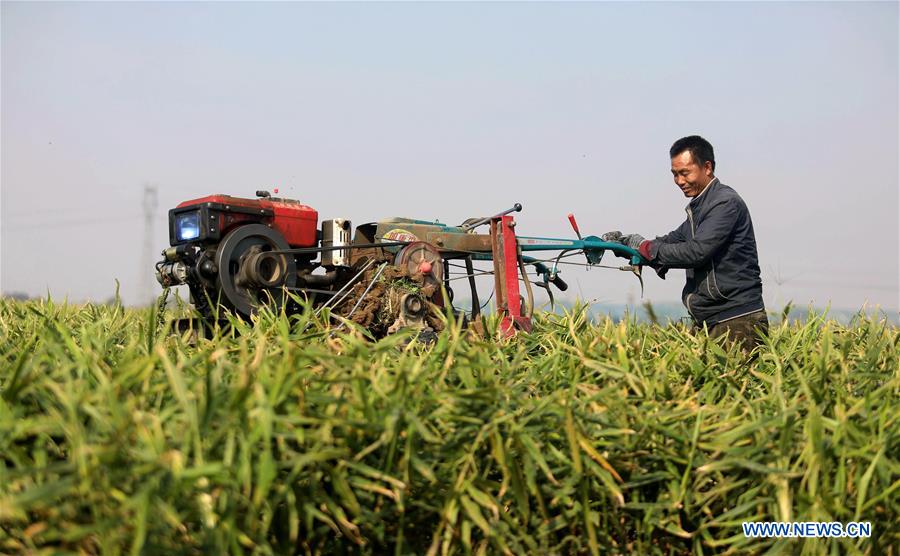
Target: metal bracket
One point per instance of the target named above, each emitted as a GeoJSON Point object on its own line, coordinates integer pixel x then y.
{"type": "Point", "coordinates": [505, 252]}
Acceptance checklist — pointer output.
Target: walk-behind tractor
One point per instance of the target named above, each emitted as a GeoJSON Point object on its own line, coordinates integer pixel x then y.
{"type": "Point", "coordinates": [235, 254]}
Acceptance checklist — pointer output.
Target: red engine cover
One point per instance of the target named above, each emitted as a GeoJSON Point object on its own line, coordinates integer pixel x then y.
{"type": "Point", "coordinates": [297, 222]}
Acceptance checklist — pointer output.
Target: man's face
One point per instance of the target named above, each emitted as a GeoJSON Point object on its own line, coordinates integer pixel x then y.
{"type": "Point", "coordinates": [689, 176]}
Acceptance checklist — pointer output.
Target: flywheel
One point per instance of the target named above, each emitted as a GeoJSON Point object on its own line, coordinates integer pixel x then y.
{"type": "Point", "coordinates": [249, 275]}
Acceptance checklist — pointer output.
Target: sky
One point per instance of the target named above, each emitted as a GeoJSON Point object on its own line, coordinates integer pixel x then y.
{"type": "Point", "coordinates": [447, 111]}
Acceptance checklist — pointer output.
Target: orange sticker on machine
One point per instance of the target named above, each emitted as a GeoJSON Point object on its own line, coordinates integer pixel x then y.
{"type": "Point", "coordinates": [399, 234]}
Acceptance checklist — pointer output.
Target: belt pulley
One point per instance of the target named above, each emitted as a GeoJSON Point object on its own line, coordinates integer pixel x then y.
{"type": "Point", "coordinates": [248, 273]}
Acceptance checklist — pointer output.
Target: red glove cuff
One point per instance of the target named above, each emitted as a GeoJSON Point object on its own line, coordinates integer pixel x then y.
{"type": "Point", "coordinates": [644, 248]}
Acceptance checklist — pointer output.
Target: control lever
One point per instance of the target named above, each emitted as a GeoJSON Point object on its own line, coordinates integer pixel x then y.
{"type": "Point", "coordinates": [516, 208]}
{"type": "Point", "coordinates": [574, 225]}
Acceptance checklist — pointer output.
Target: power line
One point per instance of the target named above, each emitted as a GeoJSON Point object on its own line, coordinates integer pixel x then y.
{"type": "Point", "coordinates": [52, 225]}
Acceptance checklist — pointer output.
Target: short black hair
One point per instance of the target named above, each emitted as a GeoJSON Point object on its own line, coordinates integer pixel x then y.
{"type": "Point", "coordinates": [701, 149]}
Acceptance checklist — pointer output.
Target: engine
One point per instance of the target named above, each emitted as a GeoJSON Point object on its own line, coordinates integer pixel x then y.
{"type": "Point", "coordinates": [237, 254]}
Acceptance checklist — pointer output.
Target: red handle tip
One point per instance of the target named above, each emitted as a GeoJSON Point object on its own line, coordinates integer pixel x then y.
{"type": "Point", "coordinates": [572, 221]}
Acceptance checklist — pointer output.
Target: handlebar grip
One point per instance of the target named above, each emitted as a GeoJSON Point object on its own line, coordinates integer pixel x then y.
{"type": "Point", "coordinates": [560, 283]}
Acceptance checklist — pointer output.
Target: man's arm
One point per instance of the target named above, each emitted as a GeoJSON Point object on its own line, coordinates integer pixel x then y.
{"type": "Point", "coordinates": [635, 240]}
{"type": "Point", "coordinates": [679, 234]}
{"type": "Point", "coordinates": [709, 237]}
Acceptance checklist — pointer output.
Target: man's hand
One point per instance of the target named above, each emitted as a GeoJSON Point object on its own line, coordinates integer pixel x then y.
{"type": "Point", "coordinates": [615, 237]}
{"type": "Point", "coordinates": [631, 240]}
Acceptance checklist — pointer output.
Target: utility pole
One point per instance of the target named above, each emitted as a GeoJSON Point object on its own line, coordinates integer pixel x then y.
{"type": "Point", "coordinates": [146, 271]}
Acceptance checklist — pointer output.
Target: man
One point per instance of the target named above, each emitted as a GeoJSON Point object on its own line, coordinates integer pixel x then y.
{"type": "Point", "coordinates": [715, 245]}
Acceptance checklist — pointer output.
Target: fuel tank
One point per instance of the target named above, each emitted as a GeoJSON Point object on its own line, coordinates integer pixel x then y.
{"type": "Point", "coordinates": [216, 215]}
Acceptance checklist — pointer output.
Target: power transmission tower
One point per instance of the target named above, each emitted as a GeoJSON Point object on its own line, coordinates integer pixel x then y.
{"type": "Point", "coordinates": [146, 274]}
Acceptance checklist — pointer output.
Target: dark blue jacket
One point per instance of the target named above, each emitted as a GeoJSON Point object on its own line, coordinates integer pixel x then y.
{"type": "Point", "coordinates": [717, 247]}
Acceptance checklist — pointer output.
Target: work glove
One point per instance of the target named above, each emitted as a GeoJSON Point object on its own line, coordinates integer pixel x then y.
{"type": "Point", "coordinates": [615, 237]}
{"type": "Point", "coordinates": [631, 240]}
{"type": "Point", "coordinates": [638, 243]}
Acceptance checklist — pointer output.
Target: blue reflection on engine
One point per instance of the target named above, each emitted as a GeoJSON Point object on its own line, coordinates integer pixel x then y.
{"type": "Point", "coordinates": [187, 226]}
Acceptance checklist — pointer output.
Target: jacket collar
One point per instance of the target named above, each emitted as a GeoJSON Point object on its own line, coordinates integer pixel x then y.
{"type": "Point", "coordinates": [696, 200]}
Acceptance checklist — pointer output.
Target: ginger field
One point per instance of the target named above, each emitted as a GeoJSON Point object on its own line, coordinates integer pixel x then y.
{"type": "Point", "coordinates": [289, 436]}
